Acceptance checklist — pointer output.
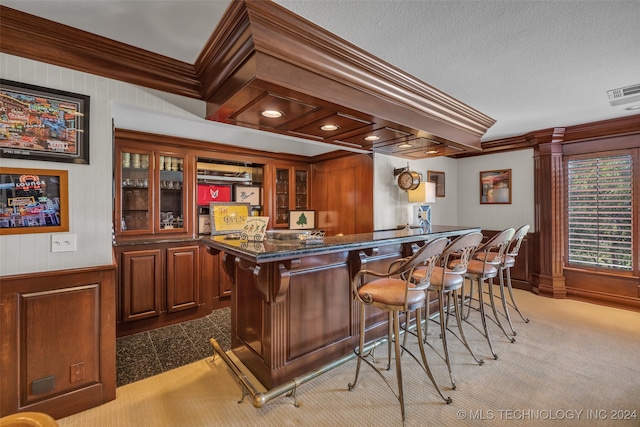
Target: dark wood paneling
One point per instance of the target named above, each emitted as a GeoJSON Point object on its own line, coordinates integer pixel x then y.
{"type": "Point", "coordinates": [182, 278]}
{"type": "Point", "coordinates": [342, 194]}
{"type": "Point", "coordinates": [141, 284]}
{"type": "Point", "coordinates": [57, 324]}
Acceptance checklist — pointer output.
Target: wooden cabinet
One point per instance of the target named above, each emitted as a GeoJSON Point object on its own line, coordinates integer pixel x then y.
{"type": "Point", "coordinates": [290, 191]}
{"type": "Point", "coordinates": [161, 284]}
{"type": "Point", "coordinates": [153, 191]}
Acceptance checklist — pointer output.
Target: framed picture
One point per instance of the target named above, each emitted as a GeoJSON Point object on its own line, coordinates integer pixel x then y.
{"type": "Point", "coordinates": [34, 201]}
{"type": "Point", "coordinates": [247, 194]}
{"type": "Point", "coordinates": [495, 187]}
{"type": "Point", "coordinates": [37, 123]}
{"type": "Point", "coordinates": [228, 217]}
{"type": "Point", "coordinates": [302, 220]}
{"type": "Point", "coordinates": [438, 179]}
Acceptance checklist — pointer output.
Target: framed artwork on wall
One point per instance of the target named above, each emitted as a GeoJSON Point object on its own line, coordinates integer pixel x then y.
{"type": "Point", "coordinates": [37, 123]}
{"type": "Point", "coordinates": [34, 201]}
{"type": "Point", "coordinates": [438, 179]}
{"type": "Point", "coordinates": [495, 187]}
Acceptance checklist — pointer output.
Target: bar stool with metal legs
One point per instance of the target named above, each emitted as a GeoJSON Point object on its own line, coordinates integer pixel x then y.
{"type": "Point", "coordinates": [446, 280]}
{"type": "Point", "coordinates": [505, 270]}
{"type": "Point", "coordinates": [485, 267]}
{"type": "Point", "coordinates": [395, 292]}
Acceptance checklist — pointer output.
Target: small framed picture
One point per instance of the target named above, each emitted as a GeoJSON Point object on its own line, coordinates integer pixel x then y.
{"type": "Point", "coordinates": [437, 178]}
{"type": "Point", "coordinates": [302, 220]}
{"type": "Point", "coordinates": [248, 194]}
{"type": "Point", "coordinates": [495, 187]}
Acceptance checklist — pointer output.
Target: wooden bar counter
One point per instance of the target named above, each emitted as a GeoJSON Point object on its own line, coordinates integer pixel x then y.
{"type": "Point", "coordinates": [291, 307]}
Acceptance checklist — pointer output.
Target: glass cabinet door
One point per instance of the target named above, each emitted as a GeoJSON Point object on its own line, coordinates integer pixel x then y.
{"type": "Point", "coordinates": [282, 197]}
{"type": "Point", "coordinates": [302, 200]}
{"type": "Point", "coordinates": [171, 192]}
{"type": "Point", "coordinates": [136, 196]}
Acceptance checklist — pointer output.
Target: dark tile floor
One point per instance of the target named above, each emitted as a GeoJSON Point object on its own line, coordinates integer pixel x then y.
{"type": "Point", "coordinates": [145, 354]}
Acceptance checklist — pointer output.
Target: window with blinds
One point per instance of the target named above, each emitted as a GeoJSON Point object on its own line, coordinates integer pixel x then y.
{"type": "Point", "coordinates": [600, 204]}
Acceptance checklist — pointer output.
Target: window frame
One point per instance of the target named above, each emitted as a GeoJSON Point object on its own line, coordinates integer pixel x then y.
{"type": "Point", "coordinates": [635, 206]}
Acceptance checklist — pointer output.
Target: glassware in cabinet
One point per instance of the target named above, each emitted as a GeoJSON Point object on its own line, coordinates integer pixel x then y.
{"type": "Point", "coordinates": [282, 197]}
{"type": "Point", "coordinates": [171, 192]}
{"type": "Point", "coordinates": [135, 193]}
{"type": "Point", "coordinates": [302, 198]}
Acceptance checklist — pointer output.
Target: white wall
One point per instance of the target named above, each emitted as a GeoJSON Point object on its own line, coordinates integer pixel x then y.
{"type": "Point", "coordinates": [497, 217]}
{"type": "Point", "coordinates": [461, 204]}
{"type": "Point", "coordinates": [90, 186]}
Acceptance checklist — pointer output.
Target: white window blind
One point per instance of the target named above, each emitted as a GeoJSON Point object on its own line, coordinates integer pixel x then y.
{"type": "Point", "coordinates": [600, 212]}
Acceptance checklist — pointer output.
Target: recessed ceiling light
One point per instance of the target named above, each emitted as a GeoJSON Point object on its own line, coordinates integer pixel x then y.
{"type": "Point", "coordinates": [633, 107]}
{"type": "Point", "coordinates": [329, 128]}
{"type": "Point", "coordinates": [371, 138]}
{"type": "Point", "coordinates": [431, 152]}
{"type": "Point", "coordinates": [272, 114]}
{"type": "Point", "coordinates": [404, 145]}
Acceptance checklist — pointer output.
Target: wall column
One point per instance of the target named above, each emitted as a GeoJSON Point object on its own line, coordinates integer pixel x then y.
{"type": "Point", "coordinates": [549, 215]}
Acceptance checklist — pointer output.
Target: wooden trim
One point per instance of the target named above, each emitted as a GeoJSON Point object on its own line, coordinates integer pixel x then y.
{"type": "Point", "coordinates": [32, 37]}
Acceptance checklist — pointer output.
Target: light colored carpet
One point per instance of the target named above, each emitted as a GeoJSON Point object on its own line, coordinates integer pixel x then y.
{"type": "Point", "coordinates": [574, 364]}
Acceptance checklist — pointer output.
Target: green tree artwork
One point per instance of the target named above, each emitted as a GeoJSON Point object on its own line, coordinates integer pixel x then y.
{"type": "Point", "coordinates": [302, 220]}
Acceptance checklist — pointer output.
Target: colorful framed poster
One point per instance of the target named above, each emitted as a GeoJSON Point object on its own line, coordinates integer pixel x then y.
{"type": "Point", "coordinates": [248, 194]}
{"type": "Point", "coordinates": [495, 187]}
{"type": "Point", "coordinates": [208, 193]}
{"type": "Point", "coordinates": [33, 201]}
{"type": "Point", "coordinates": [228, 217]}
{"type": "Point", "coordinates": [302, 220]}
{"type": "Point", "coordinates": [37, 123]}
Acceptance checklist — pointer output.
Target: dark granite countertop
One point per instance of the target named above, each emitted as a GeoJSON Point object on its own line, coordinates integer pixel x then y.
{"type": "Point", "coordinates": [275, 250]}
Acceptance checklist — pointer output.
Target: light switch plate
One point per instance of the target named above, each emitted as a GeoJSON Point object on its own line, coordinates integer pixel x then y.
{"type": "Point", "coordinates": [63, 242]}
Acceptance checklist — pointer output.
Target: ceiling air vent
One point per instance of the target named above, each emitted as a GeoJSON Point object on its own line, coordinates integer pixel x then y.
{"type": "Point", "coordinates": [624, 95]}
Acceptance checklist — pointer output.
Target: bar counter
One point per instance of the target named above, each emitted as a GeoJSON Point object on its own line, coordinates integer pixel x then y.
{"type": "Point", "coordinates": [292, 311]}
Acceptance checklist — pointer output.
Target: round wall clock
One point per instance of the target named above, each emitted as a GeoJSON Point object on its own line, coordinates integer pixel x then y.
{"type": "Point", "coordinates": [408, 180]}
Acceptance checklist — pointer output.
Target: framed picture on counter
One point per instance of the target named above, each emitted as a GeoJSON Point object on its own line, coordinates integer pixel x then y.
{"type": "Point", "coordinates": [247, 194]}
{"type": "Point", "coordinates": [228, 217]}
{"type": "Point", "coordinates": [302, 220]}
{"type": "Point", "coordinates": [33, 201]}
{"type": "Point", "coordinates": [38, 123]}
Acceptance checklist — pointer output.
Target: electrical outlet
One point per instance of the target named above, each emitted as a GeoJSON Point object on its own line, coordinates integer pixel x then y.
{"type": "Point", "coordinates": [63, 242]}
{"type": "Point", "coordinates": [77, 372]}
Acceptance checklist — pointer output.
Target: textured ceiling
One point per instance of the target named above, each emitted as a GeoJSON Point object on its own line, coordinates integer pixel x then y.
{"type": "Point", "coordinates": [528, 64]}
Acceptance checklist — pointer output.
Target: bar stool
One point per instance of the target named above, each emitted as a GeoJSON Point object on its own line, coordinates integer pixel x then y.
{"type": "Point", "coordinates": [446, 280]}
{"type": "Point", "coordinates": [485, 267]}
{"type": "Point", "coordinates": [395, 292]}
{"type": "Point", "coordinates": [509, 261]}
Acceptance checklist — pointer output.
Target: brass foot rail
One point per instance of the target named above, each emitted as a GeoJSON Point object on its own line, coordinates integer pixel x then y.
{"type": "Point", "coordinates": [262, 398]}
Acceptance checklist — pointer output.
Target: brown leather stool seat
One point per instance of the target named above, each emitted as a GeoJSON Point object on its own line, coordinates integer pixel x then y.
{"type": "Point", "coordinates": [28, 419]}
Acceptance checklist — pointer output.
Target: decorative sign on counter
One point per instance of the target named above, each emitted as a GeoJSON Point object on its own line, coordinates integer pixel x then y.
{"type": "Point", "coordinates": [255, 228]}
{"type": "Point", "coordinates": [228, 217]}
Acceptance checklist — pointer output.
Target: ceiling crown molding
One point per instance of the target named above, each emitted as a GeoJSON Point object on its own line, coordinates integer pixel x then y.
{"type": "Point", "coordinates": [263, 54]}
{"type": "Point", "coordinates": [32, 37]}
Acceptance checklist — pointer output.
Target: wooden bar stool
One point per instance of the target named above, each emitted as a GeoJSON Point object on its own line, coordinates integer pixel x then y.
{"type": "Point", "coordinates": [447, 279]}
{"type": "Point", "coordinates": [485, 267]}
{"type": "Point", "coordinates": [395, 292]}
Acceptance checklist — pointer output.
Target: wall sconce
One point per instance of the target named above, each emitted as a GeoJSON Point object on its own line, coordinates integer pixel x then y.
{"type": "Point", "coordinates": [422, 197]}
